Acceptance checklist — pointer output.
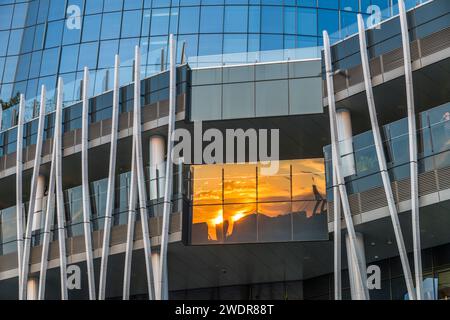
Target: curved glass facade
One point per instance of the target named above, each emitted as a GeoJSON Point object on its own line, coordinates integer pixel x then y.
{"type": "Point", "coordinates": [42, 39]}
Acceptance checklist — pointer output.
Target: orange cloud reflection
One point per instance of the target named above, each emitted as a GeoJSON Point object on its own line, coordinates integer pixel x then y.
{"type": "Point", "coordinates": [226, 197]}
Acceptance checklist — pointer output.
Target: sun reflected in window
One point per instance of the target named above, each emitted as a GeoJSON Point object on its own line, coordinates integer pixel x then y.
{"type": "Point", "coordinates": [235, 203]}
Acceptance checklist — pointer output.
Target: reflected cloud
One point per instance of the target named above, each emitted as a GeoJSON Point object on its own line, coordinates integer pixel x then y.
{"type": "Point", "coordinates": [232, 202]}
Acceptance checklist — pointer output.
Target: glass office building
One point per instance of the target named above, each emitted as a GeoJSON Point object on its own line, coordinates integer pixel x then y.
{"type": "Point", "coordinates": [241, 65]}
{"type": "Point", "coordinates": [43, 39]}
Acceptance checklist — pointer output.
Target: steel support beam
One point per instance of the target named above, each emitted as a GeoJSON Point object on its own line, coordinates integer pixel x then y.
{"type": "Point", "coordinates": [412, 133]}
{"type": "Point", "coordinates": [163, 289]}
{"type": "Point", "coordinates": [378, 141]}
{"type": "Point", "coordinates": [49, 221]}
{"type": "Point", "coordinates": [85, 186]}
{"type": "Point", "coordinates": [19, 195]}
{"type": "Point", "coordinates": [130, 225]}
{"type": "Point", "coordinates": [33, 192]}
{"type": "Point", "coordinates": [142, 192]}
{"type": "Point", "coordinates": [355, 283]}
{"type": "Point", "coordinates": [60, 214]}
{"type": "Point", "coordinates": [337, 241]}
{"type": "Point", "coordinates": [111, 183]}
{"type": "Point", "coordinates": [356, 254]}
{"type": "Point", "coordinates": [137, 181]}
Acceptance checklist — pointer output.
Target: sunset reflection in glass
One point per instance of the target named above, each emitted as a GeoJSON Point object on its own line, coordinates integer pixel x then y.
{"type": "Point", "coordinates": [236, 203]}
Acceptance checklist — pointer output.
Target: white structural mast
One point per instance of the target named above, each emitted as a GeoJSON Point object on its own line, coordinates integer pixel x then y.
{"type": "Point", "coordinates": [359, 267]}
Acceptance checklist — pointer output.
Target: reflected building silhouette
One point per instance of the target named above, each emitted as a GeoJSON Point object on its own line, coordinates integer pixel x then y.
{"type": "Point", "coordinates": [274, 217]}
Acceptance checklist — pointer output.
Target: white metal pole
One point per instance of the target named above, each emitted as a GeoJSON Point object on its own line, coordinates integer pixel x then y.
{"type": "Point", "coordinates": [141, 176]}
{"type": "Point", "coordinates": [138, 180]}
{"type": "Point", "coordinates": [378, 141]}
{"type": "Point", "coordinates": [60, 214]}
{"type": "Point", "coordinates": [33, 193]}
{"type": "Point", "coordinates": [356, 286]}
{"type": "Point", "coordinates": [49, 222]}
{"type": "Point", "coordinates": [1, 118]}
{"type": "Point", "coordinates": [163, 277]}
{"type": "Point", "coordinates": [19, 195]}
{"type": "Point", "coordinates": [111, 183]}
{"type": "Point", "coordinates": [85, 186]}
{"type": "Point", "coordinates": [337, 241]}
{"type": "Point", "coordinates": [356, 255]}
{"type": "Point", "coordinates": [131, 222]}
{"type": "Point", "coordinates": [412, 133]}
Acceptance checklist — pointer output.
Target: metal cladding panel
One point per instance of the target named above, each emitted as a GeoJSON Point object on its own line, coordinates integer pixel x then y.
{"type": "Point", "coordinates": [118, 235]}
{"type": "Point", "coordinates": [393, 60]}
{"type": "Point", "coordinates": [124, 121]}
{"type": "Point", "coordinates": [427, 183]}
{"type": "Point", "coordinates": [95, 130]}
{"type": "Point", "coordinates": [10, 161]}
{"type": "Point", "coordinates": [68, 139]}
{"type": "Point", "coordinates": [436, 42]}
{"type": "Point", "coordinates": [78, 133]}
{"type": "Point", "coordinates": [163, 108]}
{"type": "Point", "coordinates": [373, 199]}
{"type": "Point", "coordinates": [30, 152]}
{"type": "Point", "coordinates": [355, 75]}
{"type": "Point", "coordinates": [375, 66]}
{"type": "Point", "coordinates": [8, 262]}
{"type": "Point", "coordinates": [149, 113]}
{"type": "Point", "coordinates": [443, 178]}
{"type": "Point", "coordinates": [47, 147]}
{"type": "Point", "coordinates": [106, 127]}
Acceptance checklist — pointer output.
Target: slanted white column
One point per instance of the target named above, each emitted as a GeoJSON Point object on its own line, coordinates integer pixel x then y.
{"type": "Point", "coordinates": [111, 183]}
{"type": "Point", "coordinates": [163, 277]}
{"type": "Point", "coordinates": [49, 221]}
{"type": "Point", "coordinates": [85, 187]}
{"type": "Point", "coordinates": [337, 162]}
{"type": "Point", "coordinates": [412, 133]}
{"type": "Point", "coordinates": [33, 282]}
{"type": "Point", "coordinates": [378, 141]}
{"type": "Point", "coordinates": [35, 203]}
{"type": "Point", "coordinates": [337, 240]}
{"type": "Point", "coordinates": [32, 288]}
{"type": "Point", "coordinates": [60, 211]}
{"type": "Point", "coordinates": [19, 195]}
{"type": "Point", "coordinates": [137, 190]}
{"type": "Point", "coordinates": [357, 283]}
{"type": "Point", "coordinates": [345, 137]}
